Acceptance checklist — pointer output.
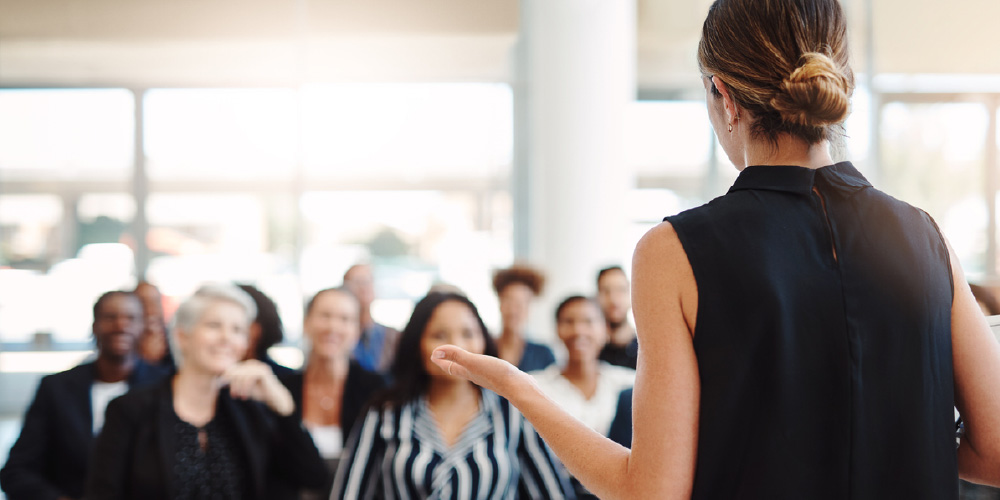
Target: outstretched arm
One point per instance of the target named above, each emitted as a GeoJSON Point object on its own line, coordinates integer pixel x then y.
{"type": "Point", "coordinates": [666, 395]}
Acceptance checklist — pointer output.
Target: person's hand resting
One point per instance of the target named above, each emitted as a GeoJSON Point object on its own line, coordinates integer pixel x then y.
{"type": "Point", "coordinates": [252, 379]}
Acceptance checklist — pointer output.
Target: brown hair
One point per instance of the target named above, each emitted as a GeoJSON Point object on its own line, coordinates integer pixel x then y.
{"type": "Point", "coordinates": [785, 62]}
{"type": "Point", "coordinates": [519, 273]}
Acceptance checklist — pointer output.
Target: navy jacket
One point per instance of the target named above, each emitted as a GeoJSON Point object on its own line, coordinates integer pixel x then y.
{"type": "Point", "coordinates": [360, 386]}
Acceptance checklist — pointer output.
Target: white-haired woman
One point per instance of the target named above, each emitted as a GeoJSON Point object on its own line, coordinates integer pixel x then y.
{"type": "Point", "coordinates": [219, 428]}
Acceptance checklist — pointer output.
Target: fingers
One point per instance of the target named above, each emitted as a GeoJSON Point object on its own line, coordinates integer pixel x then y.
{"type": "Point", "coordinates": [448, 359]}
{"type": "Point", "coordinates": [247, 380]}
{"type": "Point", "coordinates": [254, 380]}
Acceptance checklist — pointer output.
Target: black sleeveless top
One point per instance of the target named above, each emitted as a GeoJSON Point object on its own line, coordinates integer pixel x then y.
{"type": "Point", "coordinates": [821, 377]}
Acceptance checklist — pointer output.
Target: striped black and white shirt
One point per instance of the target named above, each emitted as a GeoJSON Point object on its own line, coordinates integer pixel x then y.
{"type": "Point", "coordinates": [398, 453]}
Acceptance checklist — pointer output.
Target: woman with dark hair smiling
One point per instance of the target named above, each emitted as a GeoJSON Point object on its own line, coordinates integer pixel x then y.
{"type": "Point", "coordinates": [432, 435]}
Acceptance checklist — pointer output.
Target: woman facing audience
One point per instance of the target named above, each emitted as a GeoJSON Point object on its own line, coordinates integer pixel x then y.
{"type": "Point", "coordinates": [215, 428]}
{"type": "Point", "coordinates": [332, 389]}
{"type": "Point", "coordinates": [516, 287]}
{"type": "Point", "coordinates": [431, 435]}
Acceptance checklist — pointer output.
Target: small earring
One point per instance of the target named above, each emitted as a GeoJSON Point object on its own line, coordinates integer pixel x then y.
{"type": "Point", "coordinates": [730, 128]}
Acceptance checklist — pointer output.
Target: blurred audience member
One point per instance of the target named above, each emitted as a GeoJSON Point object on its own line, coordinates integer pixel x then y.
{"type": "Point", "coordinates": [986, 298]}
{"type": "Point", "coordinates": [50, 458]}
{"type": "Point", "coordinates": [153, 341]}
{"type": "Point", "coordinates": [215, 427]}
{"type": "Point", "coordinates": [516, 287]}
{"type": "Point", "coordinates": [432, 435]}
{"type": "Point", "coordinates": [332, 390]}
{"type": "Point", "coordinates": [265, 331]}
{"type": "Point", "coordinates": [586, 387]}
{"type": "Point", "coordinates": [378, 342]}
{"type": "Point", "coordinates": [615, 298]}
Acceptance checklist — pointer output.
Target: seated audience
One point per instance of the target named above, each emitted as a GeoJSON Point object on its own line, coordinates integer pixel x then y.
{"type": "Point", "coordinates": [432, 435]}
{"type": "Point", "coordinates": [50, 458]}
{"type": "Point", "coordinates": [615, 297]}
{"type": "Point", "coordinates": [516, 287]}
{"type": "Point", "coordinates": [331, 391]}
{"type": "Point", "coordinates": [265, 331]}
{"type": "Point", "coordinates": [219, 428]}
{"type": "Point", "coordinates": [378, 342]}
{"type": "Point", "coordinates": [153, 342]}
{"type": "Point", "coordinates": [586, 387]}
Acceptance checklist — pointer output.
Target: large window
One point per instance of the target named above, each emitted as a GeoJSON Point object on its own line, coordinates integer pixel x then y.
{"type": "Point", "coordinates": [934, 155]}
{"type": "Point", "coordinates": [280, 188]}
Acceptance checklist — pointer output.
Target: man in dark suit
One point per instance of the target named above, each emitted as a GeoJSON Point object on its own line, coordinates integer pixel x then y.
{"type": "Point", "coordinates": [49, 459]}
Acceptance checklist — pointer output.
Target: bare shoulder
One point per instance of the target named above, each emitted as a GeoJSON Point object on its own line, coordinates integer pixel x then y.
{"type": "Point", "coordinates": [662, 276]}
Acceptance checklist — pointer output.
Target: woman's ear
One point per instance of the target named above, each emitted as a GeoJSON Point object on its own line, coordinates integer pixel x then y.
{"type": "Point", "coordinates": [732, 113]}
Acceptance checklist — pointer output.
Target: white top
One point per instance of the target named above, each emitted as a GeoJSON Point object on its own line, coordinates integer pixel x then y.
{"type": "Point", "coordinates": [598, 411]}
{"type": "Point", "coordinates": [329, 440]}
{"type": "Point", "coordinates": [101, 393]}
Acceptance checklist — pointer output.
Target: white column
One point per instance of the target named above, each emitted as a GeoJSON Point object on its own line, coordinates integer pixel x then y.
{"type": "Point", "coordinates": [577, 78]}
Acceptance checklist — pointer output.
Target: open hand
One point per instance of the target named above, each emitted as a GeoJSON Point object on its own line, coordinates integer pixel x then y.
{"type": "Point", "coordinates": [488, 372]}
{"type": "Point", "coordinates": [252, 379]}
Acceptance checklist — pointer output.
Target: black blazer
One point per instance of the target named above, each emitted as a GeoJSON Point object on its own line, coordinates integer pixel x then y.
{"type": "Point", "coordinates": [133, 455]}
{"type": "Point", "coordinates": [359, 387]}
{"type": "Point", "coordinates": [50, 457]}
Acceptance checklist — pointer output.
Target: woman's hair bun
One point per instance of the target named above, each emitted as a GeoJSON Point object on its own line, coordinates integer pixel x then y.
{"type": "Point", "coordinates": [815, 94]}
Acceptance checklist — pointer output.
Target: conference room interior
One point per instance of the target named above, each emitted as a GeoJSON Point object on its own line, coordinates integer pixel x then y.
{"type": "Point", "coordinates": [278, 143]}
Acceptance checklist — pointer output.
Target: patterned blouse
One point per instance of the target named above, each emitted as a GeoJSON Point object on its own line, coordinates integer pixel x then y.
{"type": "Point", "coordinates": [398, 453]}
{"type": "Point", "coordinates": [208, 470]}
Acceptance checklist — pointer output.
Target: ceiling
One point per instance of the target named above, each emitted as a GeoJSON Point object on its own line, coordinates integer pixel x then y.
{"type": "Point", "coordinates": [146, 43]}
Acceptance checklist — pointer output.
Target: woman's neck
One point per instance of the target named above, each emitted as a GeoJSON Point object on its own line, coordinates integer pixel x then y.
{"type": "Point", "coordinates": [512, 335]}
{"type": "Point", "coordinates": [453, 405]}
{"type": "Point", "coordinates": [195, 394]}
{"type": "Point", "coordinates": [788, 150]}
{"type": "Point", "coordinates": [583, 373]}
{"type": "Point", "coordinates": [449, 393]}
{"type": "Point", "coordinates": [324, 370]}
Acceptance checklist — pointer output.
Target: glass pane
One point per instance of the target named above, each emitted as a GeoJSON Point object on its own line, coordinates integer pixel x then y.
{"type": "Point", "coordinates": [198, 238]}
{"type": "Point", "coordinates": [412, 238]}
{"type": "Point", "coordinates": [105, 218]}
{"type": "Point", "coordinates": [61, 261]}
{"type": "Point", "coordinates": [66, 134]}
{"type": "Point", "coordinates": [857, 128]}
{"type": "Point", "coordinates": [668, 138]}
{"type": "Point", "coordinates": [410, 131]}
{"type": "Point", "coordinates": [933, 157]}
{"type": "Point", "coordinates": [194, 134]}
